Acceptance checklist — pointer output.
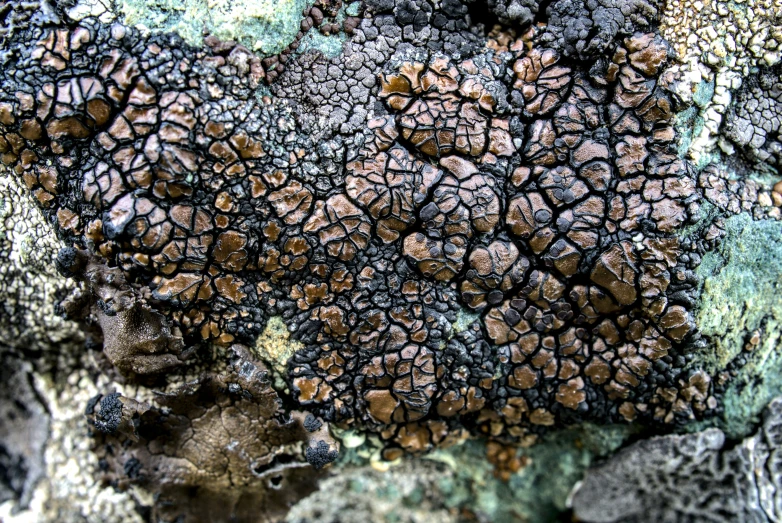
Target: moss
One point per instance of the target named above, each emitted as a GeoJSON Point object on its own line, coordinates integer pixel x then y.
{"type": "Point", "coordinates": [742, 294]}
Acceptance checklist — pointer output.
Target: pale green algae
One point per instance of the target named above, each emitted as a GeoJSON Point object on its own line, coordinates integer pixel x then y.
{"type": "Point", "coordinates": [330, 46]}
{"type": "Point", "coordinates": [536, 494]}
{"type": "Point", "coordinates": [742, 294]}
{"type": "Point", "coordinates": [265, 26]}
{"type": "Point", "coordinates": [689, 123]}
{"type": "Point", "coordinates": [275, 347]}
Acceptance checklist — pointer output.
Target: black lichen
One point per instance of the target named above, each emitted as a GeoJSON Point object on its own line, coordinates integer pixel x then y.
{"type": "Point", "coordinates": [109, 415]}
{"type": "Point", "coordinates": [320, 454]}
{"type": "Point", "coordinates": [311, 423]}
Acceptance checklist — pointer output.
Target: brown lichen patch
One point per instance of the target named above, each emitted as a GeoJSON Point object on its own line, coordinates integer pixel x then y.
{"type": "Point", "coordinates": [688, 398]}
{"type": "Point", "coordinates": [493, 271]}
{"type": "Point", "coordinates": [341, 226]}
{"type": "Point", "coordinates": [505, 459]}
{"type": "Point", "coordinates": [542, 82]}
{"type": "Point", "coordinates": [615, 271]}
{"type": "Point", "coordinates": [292, 203]}
{"type": "Point", "coordinates": [442, 110]}
{"type": "Point", "coordinates": [391, 186]}
{"type": "Point", "coordinates": [409, 377]}
{"type": "Point", "coordinates": [541, 192]}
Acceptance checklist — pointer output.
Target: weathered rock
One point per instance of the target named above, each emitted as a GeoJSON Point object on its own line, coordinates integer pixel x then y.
{"type": "Point", "coordinates": [694, 477]}
{"type": "Point", "coordinates": [430, 231]}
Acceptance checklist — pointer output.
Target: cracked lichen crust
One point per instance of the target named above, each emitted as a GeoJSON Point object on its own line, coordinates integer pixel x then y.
{"type": "Point", "coordinates": [754, 121]}
{"type": "Point", "coordinates": [528, 176]}
{"type": "Point", "coordinates": [369, 198]}
{"type": "Point", "coordinates": [694, 477]}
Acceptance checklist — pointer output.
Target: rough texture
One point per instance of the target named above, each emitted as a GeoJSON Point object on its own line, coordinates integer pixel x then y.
{"type": "Point", "coordinates": [754, 121]}
{"type": "Point", "coordinates": [165, 448]}
{"type": "Point", "coordinates": [459, 483]}
{"type": "Point", "coordinates": [432, 229]}
{"type": "Point", "coordinates": [550, 197]}
{"type": "Point", "coordinates": [29, 282]}
{"type": "Point", "coordinates": [24, 428]}
{"type": "Point", "coordinates": [740, 315]}
{"type": "Point", "coordinates": [721, 47]}
{"type": "Point", "coordinates": [696, 477]}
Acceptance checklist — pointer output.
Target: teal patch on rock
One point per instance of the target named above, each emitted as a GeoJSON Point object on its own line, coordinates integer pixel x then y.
{"type": "Point", "coordinates": [265, 26]}
{"type": "Point", "coordinates": [703, 94]}
{"type": "Point", "coordinates": [330, 46]}
{"type": "Point", "coordinates": [538, 492]}
{"type": "Point", "coordinates": [688, 123]}
{"type": "Point", "coordinates": [741, 298]}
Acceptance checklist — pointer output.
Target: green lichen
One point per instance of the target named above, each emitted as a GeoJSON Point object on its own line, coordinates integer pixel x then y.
{"type": "Point", "coordinates": [741, 295]}
{"type": "Point", "coordinates": [703, 93]}
{"type": "Point", "coordinates": [536, 494]}
{"type": "Point", "coordinates": [464, 319]}
{"type": "Point", "coordinates": [275, 347]}
{"type": "Point", "coordinates": [557, 463]}
{"type": "Point", "coordinates": [689, 122]}
{"type": "Point", "coordinates": [265, 26]}
{"type": "Point", "coordinates": [330, 46]}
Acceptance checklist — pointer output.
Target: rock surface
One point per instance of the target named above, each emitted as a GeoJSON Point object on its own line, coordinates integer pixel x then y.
{"type": "Point", "coordinates": [437, 254]}
{"type": "Point", "coordinates": [694, 477]}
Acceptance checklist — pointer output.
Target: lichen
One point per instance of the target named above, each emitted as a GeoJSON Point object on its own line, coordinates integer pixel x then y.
{"type": "Point", "coordinates": [264, 26]}
{"type": "Point", "coordinates": [433, 231]}
{"type": "Point", "coordinates": [547, 191]}
{"type": "Point", "coordinates": [740, 314]}
{"type": "Point", "coordinates": [461, 480]}
{"type": "Point", "coordinates": [275, 347]}
{"type": "Point", "coordinates": [694, 477]}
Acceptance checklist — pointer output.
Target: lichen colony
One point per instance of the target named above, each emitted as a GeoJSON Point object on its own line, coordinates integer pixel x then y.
{"type": "Point", "coordinates": [473, 221]}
